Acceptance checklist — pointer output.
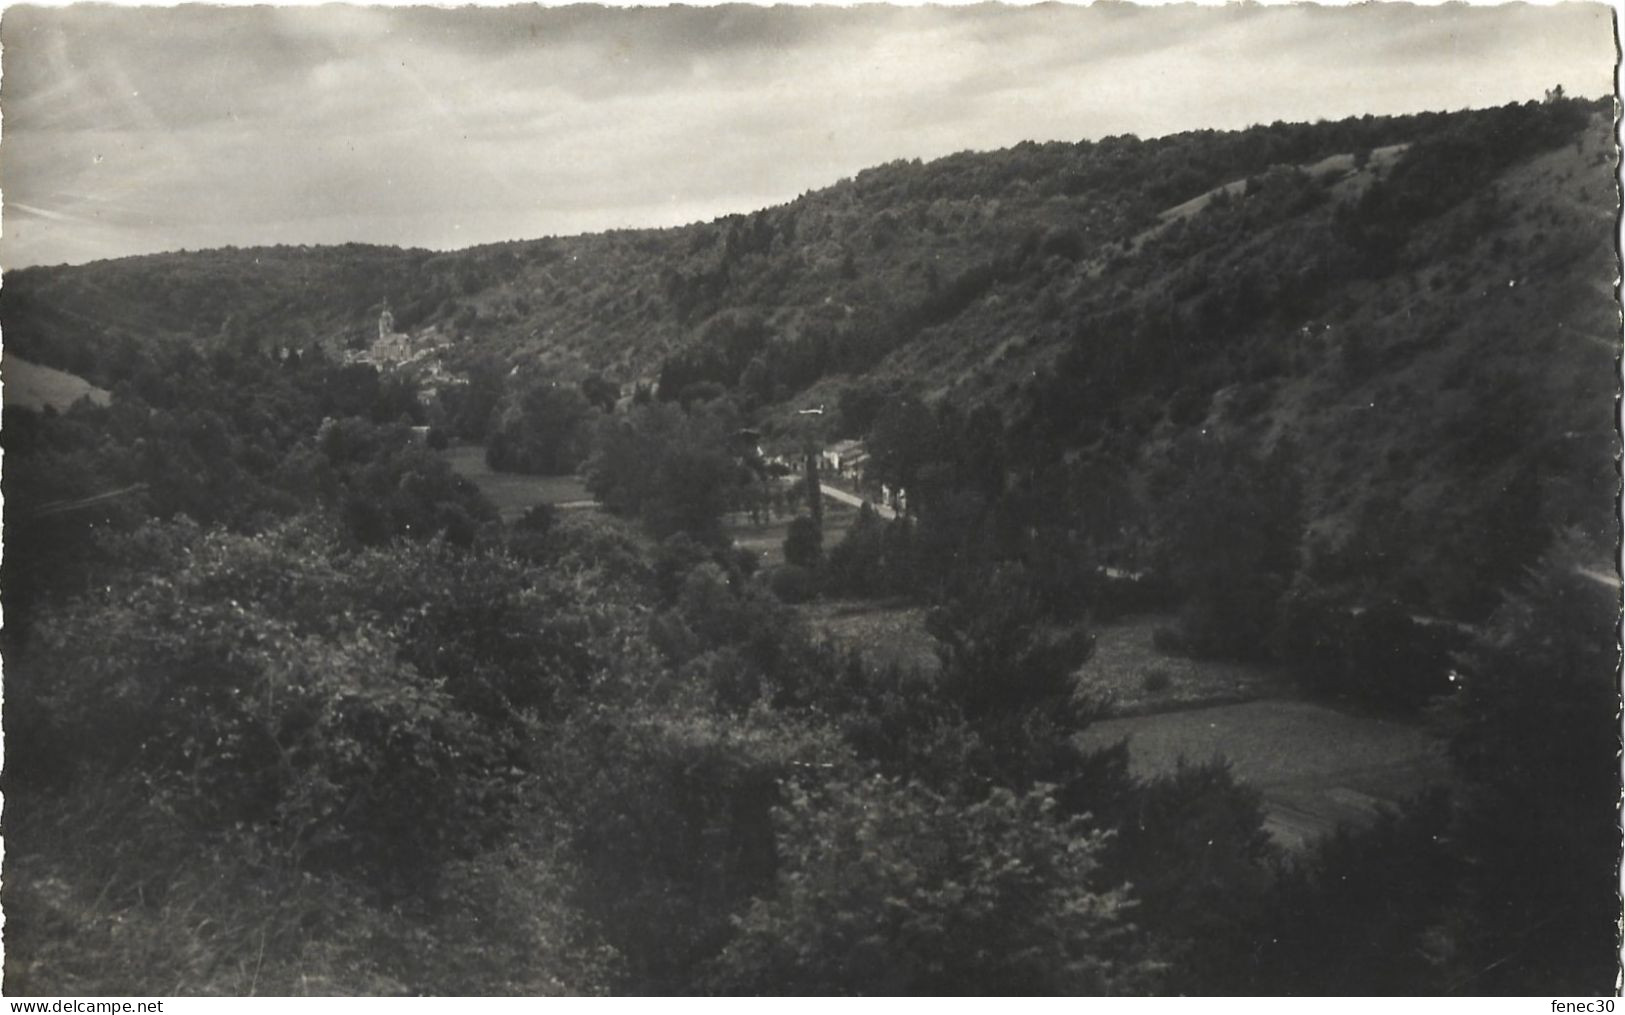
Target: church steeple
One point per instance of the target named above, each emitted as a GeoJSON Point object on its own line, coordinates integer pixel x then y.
{"type": "Point", "coordinates": [386, 321]}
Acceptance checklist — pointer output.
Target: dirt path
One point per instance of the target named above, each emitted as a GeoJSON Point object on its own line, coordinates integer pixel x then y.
{"type": "Point", "coordinates": [836, 493]}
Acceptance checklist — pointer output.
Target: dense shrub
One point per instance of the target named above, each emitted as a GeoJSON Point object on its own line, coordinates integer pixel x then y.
{"type": "Point", "coordinates": [540, 428]}
{"type": "Point", "coordinates": [1365, 911]}
{"type": "Point", "coordinates": [668, 467]}
{"type": "Point", "coordinates": [339, 753]}
{"type": "Point", "coordinates": [1233, 527]}
{"type": "Point", "coordinates": [1379, 655]}
{"type": "Point", "coordinates": [804, 543]}
{"type": "Point", "coordinates": [888, 888]}
{"type": "Point", "coordinates": [1537, 741]}
{"type": "Point", "coordinates": [1193, 846]}
{"type": "Point", "coordinates": [874, 558]}
{"type": "Point", "coordinates": [793, 583]}
{"type": "Point", "coordinates": [670, 815]}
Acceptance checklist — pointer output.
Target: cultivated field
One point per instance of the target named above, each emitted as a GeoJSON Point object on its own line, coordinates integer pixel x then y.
{"type": "Point", "coordinates": [514, 494]}
{"type": "Point", "coordinates": [1128, 669]}
{"type": "Point", "coordinates": [31, 386]}
{"type": "Point", "coordinates": [1315, 765]}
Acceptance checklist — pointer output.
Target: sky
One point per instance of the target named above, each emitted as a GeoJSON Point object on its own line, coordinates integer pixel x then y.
{"type": "Point", "coordinates": [134, 130]}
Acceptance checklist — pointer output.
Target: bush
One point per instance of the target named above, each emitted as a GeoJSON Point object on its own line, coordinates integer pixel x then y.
{"type": "Point", "coordinates": [793, 583]}
{"type": "Point", "coordinates": [888, 888]}
{"type": "Point", "coordinates": [339, 756]}
{"type": "Point", "coordinates": [1537, 743]}
{"type": "Point", "coordinates": [1234, 530]}
{"type": "Point", "coordinates": [1366, 911]}
{"type": "Point", "coordinates": [1378, 655]}
{"type": "Point", "coordinates": [538, 519]}
{"type": "Point", "coordinates": [997, 660]}
{"type": "Point", "coordinates": [874, 558]}
{"type": "Point", "coordinates": [669, 816]}
{"type": "Point", "coordinates": [1122, 596]}
{"type": "Point", "coordinates": [1157, 680]}
{"type": "Point", "coordinates": [1193, 845]}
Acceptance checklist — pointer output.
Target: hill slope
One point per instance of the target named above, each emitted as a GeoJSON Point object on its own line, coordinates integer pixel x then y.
{"type": "Point", "coordinates": [1422, 307]}
{"type": "Point", "coordinates": [838, 276]}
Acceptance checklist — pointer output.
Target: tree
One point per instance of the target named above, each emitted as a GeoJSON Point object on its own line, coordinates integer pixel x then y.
{"type": "Point", "coordinates": [889, 888]}
{"type": "Point", "coordinates": [815, 493]}
{"type": "Point", "coordinates": [601, 392]}
{"type": "Point", "coordinates": [540, 428]}
{"type": "Point", "coordinates": [902, 443]}
{"type": "Point", "coordinates": [1536, 742]}
{"type": "Point", "coordinates": [1363, 911]}
{"type": "Point", "coordinates": [670, 467]}
{"type": "Point", "coordinates": [1234, 526]}
{"type": "Point", "coordinates": [1193, 846]}
{"type": "Point", "coordinates": [857, 565]}
{"type": "Point", "coordinates": [804, 543]}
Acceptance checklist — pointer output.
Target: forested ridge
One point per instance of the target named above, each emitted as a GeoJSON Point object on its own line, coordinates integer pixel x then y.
{"type": "Point", "coordinates": [296, 712]}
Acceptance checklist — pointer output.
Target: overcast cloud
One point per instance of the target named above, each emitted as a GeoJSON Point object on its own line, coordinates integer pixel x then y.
{"type": "Point", "coordinates": [137, 130]}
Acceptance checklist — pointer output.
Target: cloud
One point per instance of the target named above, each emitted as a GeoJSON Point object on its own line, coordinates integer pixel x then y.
{"type": "Point", "coordinates": [130, 130]}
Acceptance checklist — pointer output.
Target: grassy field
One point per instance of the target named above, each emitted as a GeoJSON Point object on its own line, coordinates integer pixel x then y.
{"type": "Point", "coordinates": [885, 634]}
{"type": "Point", "coordinates": [1138, 678]}
{"type": "Point", "coordinates": [1315, 765]}
{"type": "Point", "coordinates": [1125, 667]}
{"type": "Point", "coordinates": [767, 540]}
{"type": "Point", "coordinates": [31, 386]}
{"type": "Point", "coordinates": [514, 494]}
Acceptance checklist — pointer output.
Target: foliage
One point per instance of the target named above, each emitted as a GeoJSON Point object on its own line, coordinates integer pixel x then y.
{"type": "Point", "coordinates": [999, 656]}
{"type": "Point", "coordinates": [539, 428]}
{"type": "Point", "coordinates": [874, 558]}
{"type": "Point", "coordinates": [1537, 743]}
{"type": "Point", "coordinates": [1234, 524]}
{"type": "Point", "coordinates": [1368, 911]}
{"type": "Point", "coordinates": [804, 542]}
{"type": "Point", "coordinates": [670, 814]}
{"type": "Point", "coordinates": [341, 755]}
{"type": "Point", "coordinates": [669, 467]}
{"type": "Point", "coordinates": [290, 711]}
{"type": "Point", "coordinates": [1193, 849]}
{"type": "Point", "coordinates": [889, 888]}
{"type": "Point", "coordinates": [1380, 655]}
{"type": "Point", "coordinates": [793, 583]}
{"type": "Point", "coordinates": [1448, 164]}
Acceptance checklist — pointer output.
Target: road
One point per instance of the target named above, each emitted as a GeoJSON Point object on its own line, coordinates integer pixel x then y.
{"type": "Point", "coordinates": [835, 493]}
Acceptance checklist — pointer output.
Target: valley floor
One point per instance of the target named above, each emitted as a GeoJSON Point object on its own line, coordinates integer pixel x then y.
{"type": "Point", "coordinates": [1316, 765]}
{"type": "Point", "coordinates": [513, 493]}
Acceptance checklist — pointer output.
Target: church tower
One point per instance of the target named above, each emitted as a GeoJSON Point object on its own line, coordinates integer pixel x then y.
{"type": "Point", "coordinates": [386, 322]}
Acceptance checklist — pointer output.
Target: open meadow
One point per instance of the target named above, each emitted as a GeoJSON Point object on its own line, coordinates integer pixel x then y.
{"type": "Point", "coordinates": [766, 540]}
{"type": "Point", "coordinates": [31, 386]}
{"type": "Point", "coordinates": [885, 634]}
{"type": "Point", "coordinates": [1316, 765]}
{"type": "Point", "coordinates": [514, 493]}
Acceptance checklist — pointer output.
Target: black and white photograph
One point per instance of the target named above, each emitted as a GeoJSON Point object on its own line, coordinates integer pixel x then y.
{"type": "Point", "coordinates": [1041, 500]}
